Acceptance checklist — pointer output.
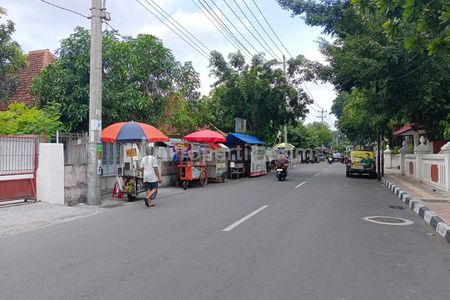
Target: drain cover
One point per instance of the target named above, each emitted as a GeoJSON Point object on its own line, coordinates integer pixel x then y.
{"type": "Point", "coordinates": [388, 220]}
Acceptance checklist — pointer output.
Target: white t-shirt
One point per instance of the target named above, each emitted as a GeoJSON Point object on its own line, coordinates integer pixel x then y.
{"type": "Point", "coordinates": [149, 163]}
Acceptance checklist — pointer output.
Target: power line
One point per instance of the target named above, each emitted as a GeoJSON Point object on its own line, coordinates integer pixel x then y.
{"type": "Point", "coordinates": [217, 27]}
{"type": "Point", "coordinates": [256, 39]}
{"type": "Point", "coordinates": [115, 30]}
{"type": "Point", "coordinates": [66, 9]}
{"type": "Point", "coordinates": [270, 26]}
{"type": "Point", "coordinates": [187, 31]}
{"type": "Point", "coordinates": [166, 18]}
{"type": "Point", "coordinates": [201, 52]}
{"type": "Point", "coordinates": [224, 26]}
{"type": "Point", "coordinates": [276, 45]}
{"type": "Point", "coordinates": [238, 31]}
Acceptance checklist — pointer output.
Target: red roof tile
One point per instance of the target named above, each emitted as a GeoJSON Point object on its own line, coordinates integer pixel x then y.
{"type": "Point", "coordinates": [405, 128]}
{"type": "Point", "coordinates": [37, 60]}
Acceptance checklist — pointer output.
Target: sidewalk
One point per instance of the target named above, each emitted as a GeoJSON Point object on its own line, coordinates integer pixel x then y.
{"type": "Point", "coordinates": [432, 204]}
{"type": "Point", "coordinates": [19, 216]}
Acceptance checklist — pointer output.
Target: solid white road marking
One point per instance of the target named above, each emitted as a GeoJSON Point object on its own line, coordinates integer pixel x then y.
{"type": "Point", "coordinates": [245, 218]}
{"type": "Point", "coordinates": [317, 174]}
{"type": "Point", "coordinates": [300, 184]}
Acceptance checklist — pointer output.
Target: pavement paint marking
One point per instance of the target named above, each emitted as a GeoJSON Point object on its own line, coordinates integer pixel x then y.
{"type": "Point", "coordinates": [404, 221]}
{"type": "Point", "coordinates": [317, 174]}
{"type": "Point", "coordinates": [245, 218]}
{"type": "Point", "coordinates": [300, 184]}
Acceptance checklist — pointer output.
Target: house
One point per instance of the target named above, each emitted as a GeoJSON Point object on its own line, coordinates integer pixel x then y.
{"type": "Point", "coordinates": [37, 60]}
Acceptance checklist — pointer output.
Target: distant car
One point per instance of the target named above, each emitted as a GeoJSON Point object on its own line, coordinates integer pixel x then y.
{"type": "Point", "coordinates": [336, 156]}
{"type": "Point", "coordinates": [361, 162]}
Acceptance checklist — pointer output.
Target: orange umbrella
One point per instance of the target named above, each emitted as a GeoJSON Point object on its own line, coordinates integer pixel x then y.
{"type": "Point", "coordinates": [131, 132]}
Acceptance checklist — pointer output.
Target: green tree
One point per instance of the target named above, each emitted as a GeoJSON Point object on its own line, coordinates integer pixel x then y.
{"type": "Point", "coordinates": [11, 59]}
{"type": "Point", "coordinates": [378, 80]}
{"type": "Point", "coordinates": [310, 136]}
{"type": "Point", "coordinates": [139, 75]}
{"type": "Point", "coordinates": [422, 25]}
{"type": "Point", "coordinates": [258, 92]}
{"type": "Point", "coordinates": [19, 119]}
{"type": "Point", "coordinates": [300, 136]}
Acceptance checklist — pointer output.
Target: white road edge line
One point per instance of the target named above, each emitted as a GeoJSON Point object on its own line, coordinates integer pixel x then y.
{"type": "Point", "coordinates": [245, 218]}
{"type": "Point", "coordinates": [300, 184]}
{"type": "Point", "coordinates": [317, 174]}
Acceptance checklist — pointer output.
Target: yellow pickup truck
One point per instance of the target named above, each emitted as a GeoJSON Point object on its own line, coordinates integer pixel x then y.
{"type": "Point", "coordinates": [361, 162]}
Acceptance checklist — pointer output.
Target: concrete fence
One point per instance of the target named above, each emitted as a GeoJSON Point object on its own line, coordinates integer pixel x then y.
{"type": "Point", "coordinates": [423, 166]}
{"type": "Point", "coordinates": [435, 170]}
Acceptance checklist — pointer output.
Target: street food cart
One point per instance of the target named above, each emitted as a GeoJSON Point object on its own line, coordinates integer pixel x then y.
{"type": "Point", "coordinates": [248, 155]}
{"type": "Point", "coordinates": [194, 166]}
{"type": "Point", "coordinates": [136, 134]}
{"type": "Point", "coordinates": [217, 162]}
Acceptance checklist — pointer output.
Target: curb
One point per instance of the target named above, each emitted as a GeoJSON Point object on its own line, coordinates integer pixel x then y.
{"type": "Point", "coordinates": [432, 218]}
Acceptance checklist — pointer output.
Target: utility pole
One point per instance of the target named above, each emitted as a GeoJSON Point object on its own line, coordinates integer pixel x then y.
{"type": "Point", "coordinates": [287, 79]}
{"type": "Point", "coordinates": [322, 116]}
{"type": "Point", "coordinates": [95, 106]}
{"type": "Point", "coordinates": [379, 154]}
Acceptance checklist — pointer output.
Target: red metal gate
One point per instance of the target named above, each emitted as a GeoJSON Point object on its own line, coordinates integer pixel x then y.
{"type": "Point", "coordinates": [18, 164]}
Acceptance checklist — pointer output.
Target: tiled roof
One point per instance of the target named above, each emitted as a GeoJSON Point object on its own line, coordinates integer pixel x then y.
{"type": "Point", "coordinates": [404, 129]}
{"type": "Point", "coordinates": [37, 60]}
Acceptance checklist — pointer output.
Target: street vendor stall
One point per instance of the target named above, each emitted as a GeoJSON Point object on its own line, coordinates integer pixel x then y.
{"type": "Point", "coordinates": [195, 166]}
{"type": "Point", "coordinates": [248, 155]}
{"type": "Point", "coordinates": [137, 135]}
{"type": "Point", "coordinates": [217, 162]}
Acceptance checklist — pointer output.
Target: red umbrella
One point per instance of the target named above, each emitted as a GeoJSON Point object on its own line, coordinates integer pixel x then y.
{"type": "Point", "coordinates": [130, 132]}
{"type": "Point", "coordinates": [205, 136]}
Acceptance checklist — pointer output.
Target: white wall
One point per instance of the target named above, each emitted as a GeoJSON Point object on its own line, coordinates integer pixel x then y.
{"type": "Point", "coordinates": [50, 173]}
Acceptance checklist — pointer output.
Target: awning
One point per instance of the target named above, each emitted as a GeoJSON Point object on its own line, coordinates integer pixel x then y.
{"type": "Point", "coordinates": [239, 138]}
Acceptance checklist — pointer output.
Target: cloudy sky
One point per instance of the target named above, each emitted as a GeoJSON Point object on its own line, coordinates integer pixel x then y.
{"type": "Point", "coordinates": [41, 26]}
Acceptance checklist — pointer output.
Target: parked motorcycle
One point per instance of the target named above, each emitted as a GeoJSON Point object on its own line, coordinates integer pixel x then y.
{"type": "Point", "coordinates": [330, 160]}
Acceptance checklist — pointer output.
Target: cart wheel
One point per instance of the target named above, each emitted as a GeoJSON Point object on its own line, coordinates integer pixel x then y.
{"type": "Point", "coordinates": [185, 184]}
{"type": "Point", "coordinates": [203, 179]}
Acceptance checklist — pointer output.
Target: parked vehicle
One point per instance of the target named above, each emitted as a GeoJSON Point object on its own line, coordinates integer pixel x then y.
{"type": "Point", "coordinates": [361, 162]}
{"type": "Point", "coordinates": [330, 160]}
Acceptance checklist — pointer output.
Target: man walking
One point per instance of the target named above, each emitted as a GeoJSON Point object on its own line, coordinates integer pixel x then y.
{"type": "Point", "coordinates": [152, 176]}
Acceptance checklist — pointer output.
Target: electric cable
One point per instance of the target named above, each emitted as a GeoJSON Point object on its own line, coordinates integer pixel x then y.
{"type": "Point", "coordinates": [270, 52]}
{"type": "Point", "coordinates": [224, 26]}
{"type": "Point", "coordinates": [217, 27]}
{"type": "Point", "coordinates": [238, 31]}
{"type": "Point", "coordinates": [187, 31]}
{"type": "Point", "coordinates": [166, 18]}
{"type": "Point", "coordinates": [224, 29]}
{"type": "Point", "coordinates": [63, 8]}
{"type": "Point", "coordinates": [270, 26]}
{"type": "Point", "coordinates": [187, 42]}
{"type": "Point", "coordinates": [276, 45]}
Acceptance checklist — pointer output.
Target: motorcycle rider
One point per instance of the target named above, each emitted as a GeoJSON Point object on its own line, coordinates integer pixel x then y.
{"type": "Point", "coordinates": [282, 162]}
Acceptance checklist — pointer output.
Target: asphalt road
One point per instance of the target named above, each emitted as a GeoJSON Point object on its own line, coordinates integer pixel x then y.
{"type": "Point", "coordinates": [303, 241]}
